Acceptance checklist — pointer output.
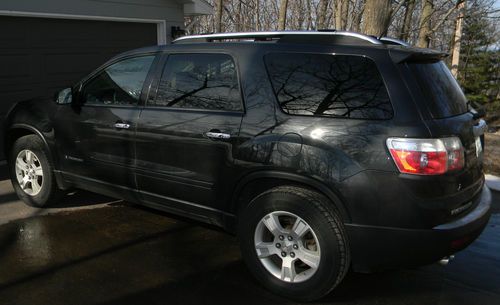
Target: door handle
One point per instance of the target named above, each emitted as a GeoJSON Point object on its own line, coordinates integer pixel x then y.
{"type": "Point", "coordinates": [218, 135]}
{"type": "Point", "coordinates": [122, 125]}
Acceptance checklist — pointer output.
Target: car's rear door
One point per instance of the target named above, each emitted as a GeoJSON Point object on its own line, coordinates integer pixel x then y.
{"type": "Point", "coordinates": [96, 134]}
{"type": "Point", "coordinates": [446, 113]}
{"type": "Point", "coordinates": [187, 131]}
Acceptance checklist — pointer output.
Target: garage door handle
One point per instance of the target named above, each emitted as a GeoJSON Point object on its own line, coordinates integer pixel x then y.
{"type": "Point", "coordinates": [218, 135]}
{"type": "Point", "coordinates": [122, 126]}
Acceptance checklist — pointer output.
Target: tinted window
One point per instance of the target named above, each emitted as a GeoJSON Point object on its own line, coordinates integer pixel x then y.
{"type": "Point", "coordinates": [119, 84]}
{"type": "Point", "coordinates": [199, 81]}
{"type": "Point", "coordinates": [329, 85]}
{"type": "Point", "coordinates": [442, 93]}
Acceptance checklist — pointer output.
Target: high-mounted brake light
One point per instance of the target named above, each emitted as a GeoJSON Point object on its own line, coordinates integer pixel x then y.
{"type": "Point", "coordinates": [427, 156]}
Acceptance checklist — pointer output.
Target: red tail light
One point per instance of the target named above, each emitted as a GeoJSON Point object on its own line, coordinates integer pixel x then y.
{"type": "Point", "coordinates": [426, 156]}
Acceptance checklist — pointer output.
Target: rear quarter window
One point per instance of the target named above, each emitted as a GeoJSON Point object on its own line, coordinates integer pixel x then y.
{"type": "Point", "coordinates": [442, 94]}
{"type": "Point", "coordinates": [328, 85]}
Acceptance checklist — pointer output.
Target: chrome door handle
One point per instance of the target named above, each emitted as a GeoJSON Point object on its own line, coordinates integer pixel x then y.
{"type": "Point", "coordinates": [218, 135]}
{"type": "Point", "coordinates": [122, 125]}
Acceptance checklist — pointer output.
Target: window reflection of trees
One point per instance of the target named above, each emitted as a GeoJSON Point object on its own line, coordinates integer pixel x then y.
{"type": "Point", "coordinates": [120, 83]}
{"type": "Point", "coordinates": [342, 86]}
{"type": "Point", "coordinates": [199, 82]}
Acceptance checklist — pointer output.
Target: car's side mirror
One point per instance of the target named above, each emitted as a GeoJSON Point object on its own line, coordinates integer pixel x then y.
{"type": "Point", "coordinates": [65, 96]}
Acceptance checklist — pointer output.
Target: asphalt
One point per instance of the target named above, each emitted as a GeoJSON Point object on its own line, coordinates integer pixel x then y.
{"type": "Point", "coordinates": [95, 250]}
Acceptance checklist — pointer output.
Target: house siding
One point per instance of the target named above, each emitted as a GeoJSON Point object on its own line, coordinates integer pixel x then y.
{"type": "Point", "coordinates": [168, 10]}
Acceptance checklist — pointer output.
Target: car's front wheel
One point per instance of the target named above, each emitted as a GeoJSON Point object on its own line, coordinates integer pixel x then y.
{"type": "Point", "coordinates": [32, 173]}
{"type": "Point", "coordinates": [293, 241]}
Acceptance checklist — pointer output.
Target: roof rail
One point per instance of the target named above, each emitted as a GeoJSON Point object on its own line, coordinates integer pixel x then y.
{"type": "Point", "coordinates": [394, 41]}
{"type": "Point", "coordinates": [256, 36]}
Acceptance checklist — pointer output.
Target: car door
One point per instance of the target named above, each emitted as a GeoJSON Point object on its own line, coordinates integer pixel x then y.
{"type": "Point", "coordinates": [95, 135]}
{"type": "Point", "coordinates": [187, 131]}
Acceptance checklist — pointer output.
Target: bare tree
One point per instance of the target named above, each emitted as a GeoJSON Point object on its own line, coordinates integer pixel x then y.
{"type": "Point", "coordinates": [341, 14]}
{"type": "Point", "coordinates": [322, 10]}
{"type": "Point", "coordinates": [457, 38]}
{"type": "Point", "coordinates": [405, 30]}
{"type": "Point", "coordinates": [424, 34]}
{"type": "Point", "coordinates": [282, 15]}
{"type": "Point", "coordinates": [218, 15]}
{"type": "Point", "coordinates": [257, 15]}
{"type": "Point", "coordinates": [344, 13]}
{"type": "Point", "coordinates": [376, 16]}
{"type": "Point", "coordinates": [239, 17]}
{"type": "Point", "coordinates": [358, 9]}
{"type": "Point", "coordinates": [338, 14]}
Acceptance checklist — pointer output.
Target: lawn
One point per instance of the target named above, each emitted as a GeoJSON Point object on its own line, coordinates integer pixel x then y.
{"type": "Point", "coordinates": [492, 153]}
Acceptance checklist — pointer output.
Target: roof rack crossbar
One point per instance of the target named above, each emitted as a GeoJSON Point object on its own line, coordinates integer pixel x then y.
{"type": "Point", "coordinates": [273, 35]}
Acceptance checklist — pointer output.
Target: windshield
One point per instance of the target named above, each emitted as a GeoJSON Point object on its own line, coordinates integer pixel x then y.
{"type": "Point", "coordinates": [443, 95]}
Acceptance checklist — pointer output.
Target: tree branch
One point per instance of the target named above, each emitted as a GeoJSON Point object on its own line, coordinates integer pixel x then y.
{"type": "Point", "coordinates": [445, 17]}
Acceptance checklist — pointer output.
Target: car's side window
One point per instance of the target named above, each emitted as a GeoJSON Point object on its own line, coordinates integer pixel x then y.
{"type": "Point", "coordinates": [119, 84]}
{"type": "Point", "coordinates": [199, 81]}
{"type": "Point", "coordinates": [329, 85]}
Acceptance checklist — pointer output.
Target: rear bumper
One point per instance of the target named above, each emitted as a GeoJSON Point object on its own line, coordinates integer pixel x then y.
{"type": "Point", "coordinates": [378, 248]}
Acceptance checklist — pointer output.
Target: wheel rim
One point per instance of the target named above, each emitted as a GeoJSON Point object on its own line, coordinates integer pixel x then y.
{"type": "Point", "coordinates": [287, 246]}
{"type": "Point", "coordinates": [29, 172]}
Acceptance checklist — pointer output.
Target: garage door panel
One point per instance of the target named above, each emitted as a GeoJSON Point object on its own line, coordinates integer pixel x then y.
{"type": "Point", "coordinates": [54, 63]}
{"type": "Point", "coordinates": [39, 56]}
{"type": "Point", "coordinates": [14, 66]}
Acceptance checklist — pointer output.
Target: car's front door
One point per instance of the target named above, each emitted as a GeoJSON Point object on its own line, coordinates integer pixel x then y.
{"type": "Point", "coordinates": [187, 131]}
{"type": "Point", "coordinates": [95, 135]}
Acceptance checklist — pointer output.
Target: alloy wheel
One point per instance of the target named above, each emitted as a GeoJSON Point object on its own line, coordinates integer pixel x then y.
{"type": "Point", "coordinates": [287, 246]}
{"type": "Point", "coordinates": [29, 172]}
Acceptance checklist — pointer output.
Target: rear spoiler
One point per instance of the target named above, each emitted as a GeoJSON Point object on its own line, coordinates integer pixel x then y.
{"type": "Point", "coordinates": [401, 55]}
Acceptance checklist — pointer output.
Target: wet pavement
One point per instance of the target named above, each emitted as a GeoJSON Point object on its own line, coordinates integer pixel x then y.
{"type": "Point", "coordinates": [119, 253]}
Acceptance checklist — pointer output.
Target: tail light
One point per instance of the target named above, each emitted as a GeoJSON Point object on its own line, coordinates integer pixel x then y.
{"type": "Point", "coordinates": [427, 156]}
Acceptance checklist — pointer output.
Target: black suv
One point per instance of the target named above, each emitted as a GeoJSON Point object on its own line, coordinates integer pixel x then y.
{"type": "Point", "coordinates": [322, 151]}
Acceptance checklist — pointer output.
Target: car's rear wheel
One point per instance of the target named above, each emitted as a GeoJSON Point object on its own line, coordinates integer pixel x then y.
{"type": "Point", "coordinates": [293, 241]}
{"type": "Point", "coordinates": [32, 173]}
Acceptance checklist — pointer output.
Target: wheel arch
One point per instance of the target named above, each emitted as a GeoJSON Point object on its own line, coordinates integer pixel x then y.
{"type": "Point", "coordinates": [258, 182]}
{"type": "Point", "coordinates": [19, 130]}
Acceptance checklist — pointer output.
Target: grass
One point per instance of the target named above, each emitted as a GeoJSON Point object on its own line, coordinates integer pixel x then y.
{"type": "Point", "coordinates": [492, 153]}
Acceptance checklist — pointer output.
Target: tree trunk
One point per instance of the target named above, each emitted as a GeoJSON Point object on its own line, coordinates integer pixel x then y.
{"type": "Point", "coordinates": [282, 16]}
{"type": "Point", "coordinates": [218, 16]}
{"type": "Point", "coordinates": [376, 16]}
{"type": "Point", "coordinates": [257, 15]}
{"type": "Point", "coordinates": [455, 55]}
{"type": "Point", "coordinates": [338, 14]}
{"type": "Point", "coordinates": [345, 14]}
{"type": "Point", "coordinates": [309, 15]}
{"type": "Point", "coordinates": [356, 22]}
{"type": "Point", "coordinates": [322, 8]}
{"type": "Point", "coordinates": [300, 15]}
{"type": "Point", "coordinates": [239, 19]}
{"type": "Point", "coordinates": [405, 30]}
{"type": "Point", "coordinates": [424, 33]}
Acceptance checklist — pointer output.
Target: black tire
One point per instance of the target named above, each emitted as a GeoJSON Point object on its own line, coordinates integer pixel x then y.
{"type": "Point", "coordinates": [49, 193]}
{"type": "Point", "coordinates": [322, 217]}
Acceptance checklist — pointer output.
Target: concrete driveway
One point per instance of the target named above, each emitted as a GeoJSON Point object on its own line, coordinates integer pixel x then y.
{"type": "Point", "coordinates": [94, 250]}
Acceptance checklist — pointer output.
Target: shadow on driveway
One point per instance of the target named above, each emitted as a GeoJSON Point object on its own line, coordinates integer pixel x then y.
{"type": "Point", "coordinates": [124, 254]}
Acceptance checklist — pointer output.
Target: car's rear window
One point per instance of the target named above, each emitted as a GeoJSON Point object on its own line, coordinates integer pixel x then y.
{"type": "Point", "coordinates": [442, 94]}
{"type": "Point", "coordinates": [329, 85]}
